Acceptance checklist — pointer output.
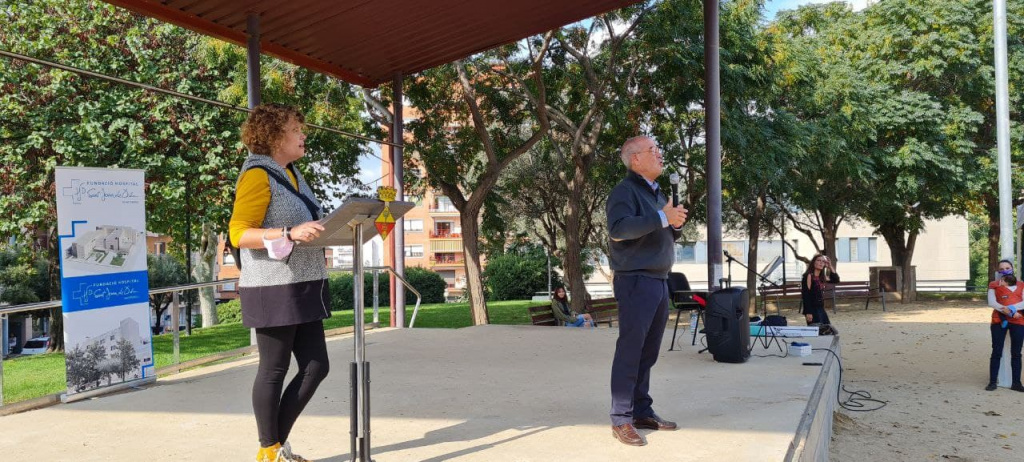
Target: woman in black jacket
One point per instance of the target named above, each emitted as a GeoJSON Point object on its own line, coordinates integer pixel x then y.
{"type": "Point", "coordinates": [819, 272]}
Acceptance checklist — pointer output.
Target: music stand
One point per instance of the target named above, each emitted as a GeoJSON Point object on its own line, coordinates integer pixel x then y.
{"type": "Point", "coordinates": [763, 332]}
{"type": "Point", "coordinates": [353, 224]}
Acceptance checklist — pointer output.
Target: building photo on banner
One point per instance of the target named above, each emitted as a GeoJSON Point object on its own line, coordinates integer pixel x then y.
{"type": "Point", "coordinates": [101, 217]}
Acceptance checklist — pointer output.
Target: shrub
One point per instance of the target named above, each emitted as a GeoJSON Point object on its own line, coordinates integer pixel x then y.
{"type": "Point", "coordinates": [229, 312]}
{"type": "Point", "coordinates": [516, 276]}
{"type": "Point", "coordinates": [430, 285]}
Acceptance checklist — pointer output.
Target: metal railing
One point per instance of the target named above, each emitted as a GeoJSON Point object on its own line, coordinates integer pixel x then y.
{"type": "Point", "coordinates": [176, 309]}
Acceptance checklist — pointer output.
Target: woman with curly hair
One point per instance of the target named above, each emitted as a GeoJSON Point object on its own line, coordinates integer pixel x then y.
{"type": "Point", "coordinates": [283, 287]}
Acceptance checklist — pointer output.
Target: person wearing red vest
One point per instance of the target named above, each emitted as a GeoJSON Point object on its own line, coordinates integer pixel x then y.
{"type": "Point", "coordinates": [1006, 297]}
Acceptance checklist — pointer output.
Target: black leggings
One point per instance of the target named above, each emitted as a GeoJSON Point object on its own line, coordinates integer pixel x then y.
{"type": "Point", "coordinates": [276, 413]}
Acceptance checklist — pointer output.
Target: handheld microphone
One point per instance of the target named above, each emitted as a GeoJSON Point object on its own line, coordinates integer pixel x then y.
{"type": "Point", "coordinates": [726, 252]}
{"type": "Point", "coordinates": [674, 179]}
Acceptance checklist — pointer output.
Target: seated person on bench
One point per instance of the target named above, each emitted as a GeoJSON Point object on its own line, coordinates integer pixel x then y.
{"type": "Point", "coordinates": [564, 314]}
{"type": "Point", "coordinates": [812, 289]}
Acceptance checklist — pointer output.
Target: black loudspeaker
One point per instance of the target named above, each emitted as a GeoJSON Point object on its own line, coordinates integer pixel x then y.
{"type": "Point", "coordinates": [727, 325]}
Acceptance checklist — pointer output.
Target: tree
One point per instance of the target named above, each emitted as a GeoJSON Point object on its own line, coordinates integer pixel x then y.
{"type": "Point", "coordinates": [164, 271]}
{"type": "Point", "coordinates": [191, 152]}
{"type": "Point", "coordinates": [22, 277]}
{"type": "Point", "coordinates": [125, 358]}
{"type": "Point", "coordinates": [472, 128]}
{"type": "Point", "coordinates": [583, 76]}
{"type": "Point", "coordinates": [829, 175]}
{"type": "Point", "coordinates": [928, 57]}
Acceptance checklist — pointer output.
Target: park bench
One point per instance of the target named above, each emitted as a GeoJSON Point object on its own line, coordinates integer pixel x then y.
{"type": "Point", "coordinates": [603, 310]}
{"type": "Point", "coordinates": [779, 295]}
{"type": "Point", "coordinates": [854, 290]}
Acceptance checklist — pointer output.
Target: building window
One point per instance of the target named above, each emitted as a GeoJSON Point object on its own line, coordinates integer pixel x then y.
{"type": "Point", "coordinates": [857, 249]}
{"type": "Point", "coordinates": [229, 260]}
{"type": "Point", "coordinates": [443, 229]}
{"type": "Point", "coordinates": [414, 251]}
{"type": "Point", "coordinates": [160, 248]}
{"type": "Point", "coordinates": [686, 253]}
{"type": "Point", "coordinates": [413, 226]}
{"type": "Point", "coordinates": [444, 204]}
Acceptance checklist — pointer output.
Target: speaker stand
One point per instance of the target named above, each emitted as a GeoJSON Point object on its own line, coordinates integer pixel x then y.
{"type": "Point", "coordinates": [766, 338]}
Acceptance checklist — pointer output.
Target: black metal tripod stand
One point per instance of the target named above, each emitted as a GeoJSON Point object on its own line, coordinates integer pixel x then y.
{"type": "Point", "coordinates": [767, 336]}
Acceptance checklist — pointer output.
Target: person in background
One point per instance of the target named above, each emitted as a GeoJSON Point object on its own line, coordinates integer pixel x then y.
{"type": "Point", "coordinates": [565, 315]}
{"type": "Point", "coordinates": [1005, 296]}
{"type": "Point", "coordinates": [812, 289]}
{"type": "Point", "coordinates": [283, 287]}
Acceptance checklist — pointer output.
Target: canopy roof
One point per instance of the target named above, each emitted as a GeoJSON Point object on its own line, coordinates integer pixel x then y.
{"type": "Point", "coordinates": [368, 42]}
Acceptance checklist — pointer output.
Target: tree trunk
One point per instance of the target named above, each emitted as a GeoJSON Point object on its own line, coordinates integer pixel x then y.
{"type": "Point", "coordinates": [203, 271]}
{"type": "Point", "coordinates": [901, 245]}
{"type": "Point", "coordinates": [753, 236]}
{"type": "Point", "coordinates": [829, 231]}
{"type": "Point", "coordinates": [474, 272]}
{"type": "Point", "coordinates": [992, 207]}
{"type": "Point", "coordinates": [56, 314]}
{"type": "Point", "coordinates": [573, 247]}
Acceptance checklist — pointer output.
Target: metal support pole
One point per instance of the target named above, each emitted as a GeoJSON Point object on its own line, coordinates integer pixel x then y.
{"type": "Point", "coordinates": [3, 323]}
{"type": "Point", "coordinates": [375, 260]}
{"type": "Point", "coordinates": [1003, 131]}
{"type": "Point", "coordinates": [254, 88]}
{"type": "Point", "coordinates": [713, 140]}
{"type": "Point", "coordinates": [397, 156]}
{"type": "Point", "coordinates": [548, 254]}
{"type": "Point", "coordinates": [362, 408]}
{"type": "Point", "coordinates": [782, 231]}
{"type": "Point", "coordinates": [176, 319]}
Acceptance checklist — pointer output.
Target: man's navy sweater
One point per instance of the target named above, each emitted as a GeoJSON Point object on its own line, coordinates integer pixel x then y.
{"type": "Point", "coordinates": [639, 245]}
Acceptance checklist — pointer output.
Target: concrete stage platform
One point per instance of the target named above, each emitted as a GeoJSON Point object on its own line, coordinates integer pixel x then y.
{"type": "Point", "coordinates": [489, 393]}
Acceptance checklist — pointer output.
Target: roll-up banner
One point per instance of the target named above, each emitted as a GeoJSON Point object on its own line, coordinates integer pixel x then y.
{"type": "Point", "coordinates": [101, 216]}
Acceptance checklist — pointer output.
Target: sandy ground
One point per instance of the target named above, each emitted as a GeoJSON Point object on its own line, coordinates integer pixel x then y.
{"type": "Point", "coordinates": [930, 362]}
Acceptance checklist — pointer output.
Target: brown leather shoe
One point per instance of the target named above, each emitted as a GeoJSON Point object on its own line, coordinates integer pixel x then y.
{"type": "Point", "coordinates": [654, 423]}
{"type": "Point", "coordinates": [628, 435]}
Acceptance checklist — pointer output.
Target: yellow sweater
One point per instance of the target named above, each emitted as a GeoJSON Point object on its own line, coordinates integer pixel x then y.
{"type": "Point", "coordinates": [251, 201]}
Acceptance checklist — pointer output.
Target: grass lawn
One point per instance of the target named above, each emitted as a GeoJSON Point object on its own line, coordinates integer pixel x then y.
{"type": "Point", "coordinates": [30, 377]}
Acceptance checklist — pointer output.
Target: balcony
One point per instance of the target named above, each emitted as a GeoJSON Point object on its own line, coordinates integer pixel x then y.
{"type": "Point", "coordinates": [446, 246]}
{"type": "Point", "coordinates": [445, 235]}
{"type": "Point", "coordinates": [443, 210]}
{"type": "Point", "coordinates": [447, 260]}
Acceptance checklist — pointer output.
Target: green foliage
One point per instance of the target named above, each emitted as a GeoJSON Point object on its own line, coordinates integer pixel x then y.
{"type": "Point", "coordinates": [978, 241]}
{"type": "Point", "coordinates": [518, 274]}
{"type": "Point", "coordinates": [164, 271]}
{"type": "Point", "coordinates": [191, 152]}
{"type": "Point", "coordinates": [229, 312]}
{"type": "Point", "coordinates": [23, 279]}
{"type": "Point", "coordinates": [430, 285]}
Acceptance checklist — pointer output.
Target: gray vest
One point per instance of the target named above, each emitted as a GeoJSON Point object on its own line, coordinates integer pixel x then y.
{"type": "Point", "coordinates": [285, 209]}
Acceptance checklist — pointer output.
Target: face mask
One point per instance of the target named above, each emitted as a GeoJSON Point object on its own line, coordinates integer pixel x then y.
{"type": "Point", "coordinates": [278, 248]}
{"type": "Point", "coordinates": [1005, 272]}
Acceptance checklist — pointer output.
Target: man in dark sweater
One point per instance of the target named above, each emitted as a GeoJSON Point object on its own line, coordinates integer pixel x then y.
{"type": "Point", "coordinates": [643, 227]}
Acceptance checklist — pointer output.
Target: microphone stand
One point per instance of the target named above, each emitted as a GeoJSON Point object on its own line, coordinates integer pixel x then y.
{"type": "Point", "coordinates": [768, 336]}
